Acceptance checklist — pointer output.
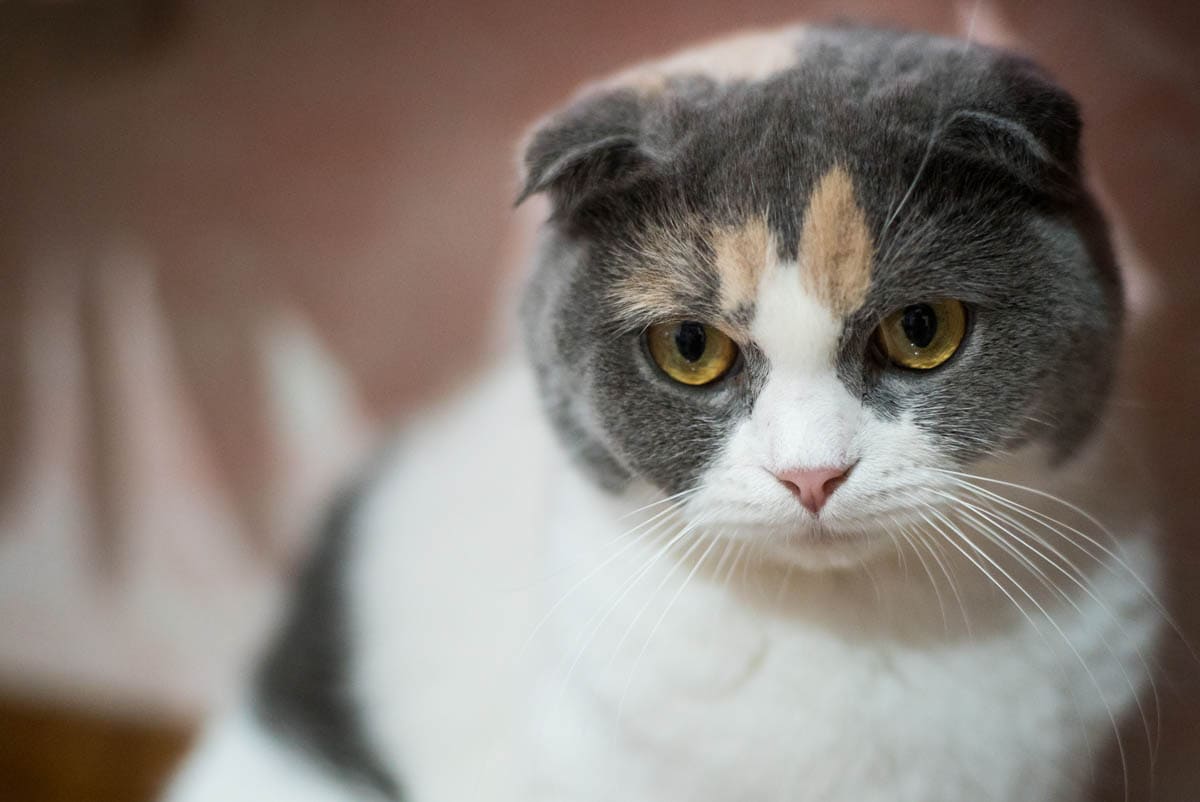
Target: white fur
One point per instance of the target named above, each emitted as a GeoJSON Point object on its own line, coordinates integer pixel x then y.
{"type": "Point", "coordinates": [507, 655]}
{"type": "Point", "coordinates": [240, 762]}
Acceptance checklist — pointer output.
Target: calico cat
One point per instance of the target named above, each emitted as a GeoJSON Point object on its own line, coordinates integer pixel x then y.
{"type": "Point", "coordinates": [806, 487]}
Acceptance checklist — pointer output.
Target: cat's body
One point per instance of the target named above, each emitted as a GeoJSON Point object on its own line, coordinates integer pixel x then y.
{"type": "Point", "coordinates": [648, 614]}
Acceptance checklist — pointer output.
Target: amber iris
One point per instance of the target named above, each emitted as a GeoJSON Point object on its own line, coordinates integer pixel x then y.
{"type": "Point", "coordinates": [690, 352]}
{"type": "Point", "coordinates": [923, 336]}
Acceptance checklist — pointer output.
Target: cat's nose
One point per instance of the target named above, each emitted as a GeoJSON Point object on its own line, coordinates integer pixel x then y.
{"type": "Point", "coordinates": [813, 486]}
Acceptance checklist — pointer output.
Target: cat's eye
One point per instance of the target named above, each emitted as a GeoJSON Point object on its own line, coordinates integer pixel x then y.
{"type": "Point", "coordinates": [690, 352]}
{"type": "Point", "coordinates": [923, 336]}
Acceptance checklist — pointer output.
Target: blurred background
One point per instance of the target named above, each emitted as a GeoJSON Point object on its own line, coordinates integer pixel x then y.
{"type": "Point", "coordinates": [239, 240]}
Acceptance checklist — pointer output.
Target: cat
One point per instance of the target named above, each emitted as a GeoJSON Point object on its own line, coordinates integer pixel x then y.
{"type": "Point", "coordinates": [805, 485]}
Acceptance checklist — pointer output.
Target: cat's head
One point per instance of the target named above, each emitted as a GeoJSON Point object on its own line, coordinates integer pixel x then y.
{"type": "Point", "coordinates": [807, 271]}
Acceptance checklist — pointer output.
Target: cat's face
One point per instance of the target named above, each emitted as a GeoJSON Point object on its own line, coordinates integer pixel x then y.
{"type": "Point", "coordinates": [802, 289]}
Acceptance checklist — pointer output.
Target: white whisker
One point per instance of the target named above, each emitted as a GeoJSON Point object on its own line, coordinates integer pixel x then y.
{"type": "Point", "coordinates": [654, 629]}
{"type": "Point", "coordinates": [1055, 525]}
{"type": "Point", "coordinates": [666, 578]}
{"type": "Point", "coordinates": [932, 582]}
{"type": "Point", "coordinates": [1054, 624]}
{"type": "Point", "coordinates": [663, 518]}
{"type": "Point", "coordinates": [999, 531]}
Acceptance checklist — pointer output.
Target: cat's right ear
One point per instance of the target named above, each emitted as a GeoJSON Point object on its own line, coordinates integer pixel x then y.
{"type": "Point", "coordinates": [595, 145]}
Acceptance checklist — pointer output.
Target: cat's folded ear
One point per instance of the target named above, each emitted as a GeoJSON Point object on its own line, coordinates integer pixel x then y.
{"type": "Point", "coordinates": [595, 145]}
{"type": "Point", "coordinates": [1030, 129]}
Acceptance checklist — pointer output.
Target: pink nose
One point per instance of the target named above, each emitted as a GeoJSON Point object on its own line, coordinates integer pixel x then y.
{"type": "Point", "coordinates": [813, 486]}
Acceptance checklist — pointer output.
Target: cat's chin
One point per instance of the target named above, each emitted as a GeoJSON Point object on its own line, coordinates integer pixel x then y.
{"type": "Point", "coordinates": [823, 549]}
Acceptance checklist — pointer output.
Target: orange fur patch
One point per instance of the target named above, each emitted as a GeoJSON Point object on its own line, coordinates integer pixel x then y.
{"type": "Point", "coordinates": [672, 273]}
{"type": "Point", "coordinates": [668, 271]}
{"type": "Point", "coordinates": [741, 256]}
{"type": "Point", "coordinates": [835, 244]}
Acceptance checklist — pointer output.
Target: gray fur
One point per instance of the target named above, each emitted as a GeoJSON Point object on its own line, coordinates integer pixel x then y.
{"type": "Point", "coordinates": [965, 161]}
{"type": "Point", "coordinates": [302, 690]}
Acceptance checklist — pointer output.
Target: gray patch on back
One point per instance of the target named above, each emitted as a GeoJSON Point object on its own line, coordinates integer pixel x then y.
{"type": "Point", "coordinates": [302, 690]}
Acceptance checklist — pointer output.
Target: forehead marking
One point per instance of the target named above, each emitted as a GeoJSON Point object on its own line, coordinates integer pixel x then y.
{"type": "Point", "coordinates": [666, 271]}
{"type": "Point", "coordinates": [748, 56]}
{"type": "Point", "coordinates": [741, 255]}
{"type": "Point", "coordinates": [835, 245]}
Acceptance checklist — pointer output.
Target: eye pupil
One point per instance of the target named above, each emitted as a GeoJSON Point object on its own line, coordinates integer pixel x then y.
{"type": "Point", "coordinates": [691, 341]}
{"type": "Point", "coordinates": [920, 324]}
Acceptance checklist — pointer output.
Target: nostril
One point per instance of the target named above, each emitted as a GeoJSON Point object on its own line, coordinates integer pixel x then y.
{"type": "Point", "coordinates": [792, 486]}
{"type": "Point", "coordinates": [834, 483]}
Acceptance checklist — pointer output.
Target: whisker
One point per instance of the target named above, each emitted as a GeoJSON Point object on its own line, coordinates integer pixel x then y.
{"type": "Point", "coordinates": [733, 566]}
{"type": "Point", "coordinates": [666, 518]}
{"type": "Point", "coordinates": [1054, 524]}
{"type": "Point", "coordinates": [938, 555]}
{"type": "Point", "coordinates": [716, 572]}
{"type": "Point", "coordinates": [932, 582]}
{"type": "Point", "coordinates": [670, 573]}
{"type": "Point", "coordinates": [862, 563]}
{"type": "Point", "coordinates": [624, 591]}
{"type": "Point", "coordinates": [1050, 620]}
{"type": "Point", "coordinates": [996, 536]}
{"type": "Point", "coordinates": [987, 497]}
{"type": "Point", "coordinates": [690, 491]}
{"type": "Point", "coordinates": [654, 629]}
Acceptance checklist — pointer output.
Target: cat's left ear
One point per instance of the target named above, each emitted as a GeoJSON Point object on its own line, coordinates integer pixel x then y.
{"type": "Point", "coordinates": [596, 145]}
{"type": "Point", "coordinates": [1030, 127]}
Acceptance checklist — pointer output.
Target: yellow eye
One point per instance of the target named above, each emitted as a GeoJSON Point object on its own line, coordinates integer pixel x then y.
{"type": "Point", "coordinates": [690, 352]}
{"type": "Point", "coordinates": [923, 336]}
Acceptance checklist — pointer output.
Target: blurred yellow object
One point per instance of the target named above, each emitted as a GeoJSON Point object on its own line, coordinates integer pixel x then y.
{"type": "Point", "coordinates": [53, 754]}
